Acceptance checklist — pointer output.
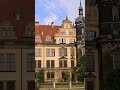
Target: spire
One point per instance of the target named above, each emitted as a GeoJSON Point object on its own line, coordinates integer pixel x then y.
{"type": "Point", "coordinates": [80, 9]}
{"type": "Point", "coordinates": [80, 2]}
{"type": "Point", "coordinates": [66, 18]}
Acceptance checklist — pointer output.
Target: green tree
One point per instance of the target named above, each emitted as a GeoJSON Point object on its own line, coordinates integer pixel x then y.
{"type": "Point", "coordinates": [80, 71]}
{"type": "Point", "coordinates": [112, 81]}
{"type": "Point", "coordinates": [66, 76]}
{"type": "Point", "coordinates": [40, 76]}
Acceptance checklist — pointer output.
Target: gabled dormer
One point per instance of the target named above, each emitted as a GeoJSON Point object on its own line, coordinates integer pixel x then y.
{"type": "Point", "coordinates": [66, 23]}
{"type": "Point", "coordinates": [48, 38]}
{"type": "Point", "coordinates": [38, 39]}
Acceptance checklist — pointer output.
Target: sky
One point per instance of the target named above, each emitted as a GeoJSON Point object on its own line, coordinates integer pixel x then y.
{"type": "Point", "coordinates": [47, 11]}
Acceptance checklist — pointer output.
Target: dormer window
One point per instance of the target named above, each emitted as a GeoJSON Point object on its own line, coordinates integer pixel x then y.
{"type": "Point", "coordinates": [48, 39]}
{"type": "Point", "coordinates": [6, 31]}
{"type": "Point", "coordinates": [38, 39]}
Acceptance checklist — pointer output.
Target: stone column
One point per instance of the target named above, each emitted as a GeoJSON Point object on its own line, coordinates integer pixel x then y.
{"type": "Point", "coordinates": [53, 84]}
{"type": "Point", "coordinates": [70, 85]}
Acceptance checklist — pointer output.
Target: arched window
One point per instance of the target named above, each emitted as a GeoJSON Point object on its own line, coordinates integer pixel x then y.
{"type": "Point", "coordinates": [115, 13]}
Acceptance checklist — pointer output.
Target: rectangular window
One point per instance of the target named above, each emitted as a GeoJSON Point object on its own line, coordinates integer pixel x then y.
{"type": "Point", "coordinates": [72, 51]}
{"type": "Point", "coordinates": [10, 85]}
{"type": "Point", "coordinates": [39, 63]}
{"type": "Point", "coordinates": [30, 62]}
{"type": "Point", "coordinates": [72, 63]}
{"type": "Point", "coordinates": [90, 63]}
{"type": "Point", "coordinates": [48, 63]}
{"type": "Point", "coordinates": [52, 52]}
{"type": "Point", "coordinates": [1, 62]}
{"type": "Point", "coordinates": [65, 63]}
{"type": "Point", "coordinates": [10, 63]}
{"type": "Point", "coordinates": [50, 75]}
{"type": "Point", "coordinates": [31, 85]}
{"type": "Point", "coordinates": [116, 60]}
{"type": "Point", "coordinates": [39, 52]}
{"type": "Point", "coordinates": [61, 41]}
{"type": "Point", "coordinates": [62, 63]}
{"type": "Point", "coordinates": [60, 52]}
{"type": "Point", "coordinates": [52, 63]}
{"type": "Point", "coordinates": [65, 51]}
{"type": "Point", "coordinates": [90, 85]}
{"type": "Point", "coordinates": [47, 52]}
{"type": "Point", "coordinates": [90, 36]}
{"type": "Point", "coordinates": [1, 85]}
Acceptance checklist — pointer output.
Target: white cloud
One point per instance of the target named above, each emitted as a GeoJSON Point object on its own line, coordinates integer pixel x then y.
{"type": "Point", "coordinates": [51, 18]}
{"type": "Point", "coordinates": [57, 9]}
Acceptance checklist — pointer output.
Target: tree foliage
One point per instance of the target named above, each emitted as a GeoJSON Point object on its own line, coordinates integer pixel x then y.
{"type": "Point", "coordinates": [66, 76]}
{"type": "Point", "coordinates": [79, 73]}
{"type": "Point", "coordinates": [40, 76]}
{"type": "Point", "coordinates": [81, 66]}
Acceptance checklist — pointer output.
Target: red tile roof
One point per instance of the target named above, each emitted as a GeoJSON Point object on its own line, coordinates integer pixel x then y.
{"type": "Point", "coordinates": [47, 30]}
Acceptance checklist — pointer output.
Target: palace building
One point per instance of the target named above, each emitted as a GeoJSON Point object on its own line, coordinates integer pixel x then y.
{"type": "Point", "coordinates": [55, 49]}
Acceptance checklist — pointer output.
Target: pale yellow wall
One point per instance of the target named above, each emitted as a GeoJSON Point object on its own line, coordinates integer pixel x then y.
{"type": "Point", "coordinates": [56, 57]}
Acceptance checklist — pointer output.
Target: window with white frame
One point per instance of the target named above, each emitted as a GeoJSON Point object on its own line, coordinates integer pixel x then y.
{"type": "Point", "coordinates": [38, 52]}
{"type": "Point", "coordinates": [62, 52]}
{"type": "Point", "coordinates": [62, 40]}
{"type": "Point", "coordinates": [50, 52]}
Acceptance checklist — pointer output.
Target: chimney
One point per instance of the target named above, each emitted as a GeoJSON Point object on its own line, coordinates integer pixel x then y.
{"type": "Point", "coordinates": [52, 24]}
{"type": "Point", "coordinates": [36, 23]}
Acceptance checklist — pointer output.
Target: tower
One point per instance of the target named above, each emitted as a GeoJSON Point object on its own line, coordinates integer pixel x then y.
{"type": "Point", "coordinates": [79, 23]}
{"type": "Point", "coordinates": [80, 34]}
